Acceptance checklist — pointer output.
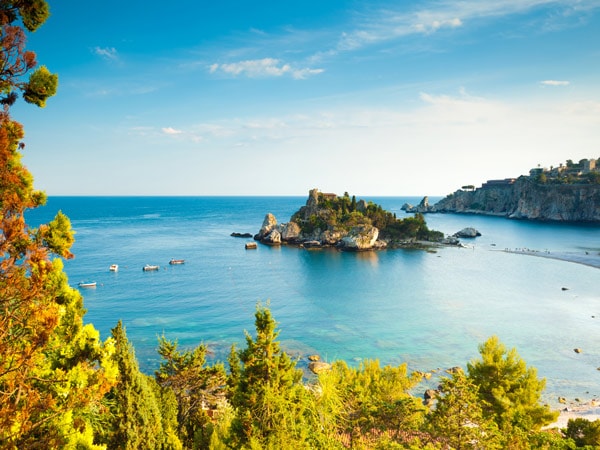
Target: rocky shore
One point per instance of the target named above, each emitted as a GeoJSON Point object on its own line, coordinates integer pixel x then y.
{"type": "Point", "coordinates": [522, 198]}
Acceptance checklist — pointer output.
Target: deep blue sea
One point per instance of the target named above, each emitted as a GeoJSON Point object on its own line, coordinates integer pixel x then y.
{"type": "Point", "coordinates": [430, 310]}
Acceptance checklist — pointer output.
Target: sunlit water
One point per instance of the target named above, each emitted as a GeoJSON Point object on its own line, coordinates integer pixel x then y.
{"type": "Point", "coordinates": [430, 310]}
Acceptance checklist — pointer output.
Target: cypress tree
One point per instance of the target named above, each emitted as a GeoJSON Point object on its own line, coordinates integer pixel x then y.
{"type": "Point", "coordinates": [135, 421]}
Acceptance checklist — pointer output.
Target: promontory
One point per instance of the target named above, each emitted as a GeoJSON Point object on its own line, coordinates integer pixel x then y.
{"type": "Point", "coordinates": [567, 193]}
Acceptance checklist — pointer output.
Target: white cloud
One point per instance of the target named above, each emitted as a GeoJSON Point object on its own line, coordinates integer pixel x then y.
{"type": "Point", "coordinates": [266, 67]}
{"type": "Point", "coordinates": [554, 83]}
{"type": "Point", "coordinates": [390, 24]}
{"type": "Point", "coordinates": [108, 53]}
{"type": "Point", "coordinates": [171, 131]}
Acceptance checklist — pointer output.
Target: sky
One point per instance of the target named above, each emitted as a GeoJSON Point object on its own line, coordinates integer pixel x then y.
{"type": "Point", "coordinates": [381, 98]}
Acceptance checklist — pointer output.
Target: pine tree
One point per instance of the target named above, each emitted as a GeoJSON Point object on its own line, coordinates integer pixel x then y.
{"type": "Point", "coordinates": [457, 418]}
{"type": "Point", "coordinates": [509, 390]}
{"type": "Point", "coordinates": [198, 389]}
{"type": "Point", "coordinates": [375, 399]}
{"type": "Point", "coordinates": [272, 407]}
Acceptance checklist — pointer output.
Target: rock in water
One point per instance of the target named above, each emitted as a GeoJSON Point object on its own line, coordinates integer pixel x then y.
{"type": "Point", "coordinates": [467, 232]}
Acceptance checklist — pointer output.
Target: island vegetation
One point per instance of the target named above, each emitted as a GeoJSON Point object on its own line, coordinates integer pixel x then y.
{"type": "Point", "coordinates": [62, 387]}
{"type": "Point", "coordinates": [329, 220]}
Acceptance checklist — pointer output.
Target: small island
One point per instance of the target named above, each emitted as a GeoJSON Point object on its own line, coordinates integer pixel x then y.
{"type": "Point", "coordinates": [567, 193]}
{"type": "Point", "coordinates": [342, 222]}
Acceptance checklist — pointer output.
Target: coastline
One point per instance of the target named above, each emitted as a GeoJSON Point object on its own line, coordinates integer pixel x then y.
{"type": "Point", "coordinates": [588, 410]}
{"type": "Point", "coordinates": [586, 258]}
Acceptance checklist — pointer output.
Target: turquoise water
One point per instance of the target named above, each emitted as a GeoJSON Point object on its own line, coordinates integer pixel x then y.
{"type": "Point", "coordinates": [430, 310]}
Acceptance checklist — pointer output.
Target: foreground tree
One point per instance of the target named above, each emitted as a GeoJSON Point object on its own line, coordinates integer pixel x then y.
{"type": "Point", "coordinates": [367, 403]}
{"type": "Point", "coordinates": [197, 388]}
{"type": "Point", "coordinates": [509, 391]}
{"type": "Point", "coordinates": [271, 405]}
{"type": "Point", "coordinates": [133, 416]}
{"type": "Point", "coordinates": [53, 369]}
{"type": "Point", "coordinates": [458, 419]}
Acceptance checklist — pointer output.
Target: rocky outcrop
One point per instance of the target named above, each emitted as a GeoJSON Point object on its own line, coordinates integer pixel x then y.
{"type": "Point", "coordinates": [468, 232]}
{"type": "Point", "coordinates": [360, 238]}
{"type": "Point", "coordinates": [527, 199]}
{"type": "Point", "coordinates": [422, 207]}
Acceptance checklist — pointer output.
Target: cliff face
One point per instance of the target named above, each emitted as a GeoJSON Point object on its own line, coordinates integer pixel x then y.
{"type": "Point", "coordinates": [526, 199]}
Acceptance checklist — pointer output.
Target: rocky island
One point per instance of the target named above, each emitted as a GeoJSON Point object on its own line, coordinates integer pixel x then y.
{"type": "Point", "coordinates": [567, 193]}
{"type": "Point", "coordinates": [342, 222]}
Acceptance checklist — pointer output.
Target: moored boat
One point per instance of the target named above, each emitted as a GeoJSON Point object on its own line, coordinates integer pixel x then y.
{"type": "Point", "coordinates": [90, 284]}
{"type": "Point", "coordinates": [150, 267]}
{"type": "Point", "coordinates": [176, 261]}
{"type": "Point", "coordinates": [114, 267]}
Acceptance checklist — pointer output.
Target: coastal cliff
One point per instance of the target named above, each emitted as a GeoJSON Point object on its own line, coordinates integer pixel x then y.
{"type": "Point", "coordinates": [523, 198]}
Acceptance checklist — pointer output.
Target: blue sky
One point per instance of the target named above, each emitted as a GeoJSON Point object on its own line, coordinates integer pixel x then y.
{"type": "Point", "coordinates": [275, 98]}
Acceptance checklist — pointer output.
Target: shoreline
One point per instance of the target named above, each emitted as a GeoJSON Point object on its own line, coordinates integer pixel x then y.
{"type": "Point", "coordinates": [587, 258]}
{"type": "Point", "coordinates": [589, 410]}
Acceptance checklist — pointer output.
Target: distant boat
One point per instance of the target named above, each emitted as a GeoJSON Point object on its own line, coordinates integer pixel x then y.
{"type": "Point", "coordinates": [177, 261]}
{"type": "Point", "coordinates": [149, 267]}
{"type": "Point", "coordinates": [83, 284]}
{"type": "Point", "coordinates": [114, 268]}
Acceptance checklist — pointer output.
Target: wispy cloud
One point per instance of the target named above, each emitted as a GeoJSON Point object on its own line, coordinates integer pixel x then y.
{"type": "Point", "coordinates": [107, 53]}
{"type": "Point", "coordinates": [386, 25]}
{"type": "Point", "coordinates": [266, 67]}
{"type": "Point", "coordinates": [555, 83]}
{"type": "Point", "coordinates": [171, 131]}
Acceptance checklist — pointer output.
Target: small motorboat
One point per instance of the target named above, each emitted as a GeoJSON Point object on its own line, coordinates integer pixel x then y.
{"type": "Point", "coordinates": [176, 261]}
{"type": "Point", "coordinates": [149, 268]}
{"type": "Point", "coordinates": [114, 268]}
{"type": "Point", "coordinates": [90, 284]}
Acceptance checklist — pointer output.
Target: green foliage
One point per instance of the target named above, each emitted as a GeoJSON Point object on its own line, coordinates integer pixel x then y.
{"type": "Point", "coordinates": [41, 85]}
{"type": "Point", "coordinates": [458, 418]}
{"type": "Point", "coordinates": [16, 61]}
{"type": "Point", "coordinates": [510, 392]}
{"type": "Point", "coordinates": [33, 13]}
{"type": "Point", "coordinates": [53, 369]}
{"type": "Point", "coordinates": [196, 387]}
{"type": "Point", "coordinates": [593, 177]}
{"type": "Point", "coordinates": [134, 419]}
{"type": "Point", "coordinates": [272, 407]}
{"type": "Point", "coordinates": [584, 432]}
{"type": "Point", "coordinates": [368, 402]}
{"type": "Point", "coordinates": [343, 213]}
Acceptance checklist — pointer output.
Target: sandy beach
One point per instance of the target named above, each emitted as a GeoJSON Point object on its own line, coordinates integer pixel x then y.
{"type": "Point", "coordinates": [588, 410]}
{"type": "Point", "coordinates": [588, 258]}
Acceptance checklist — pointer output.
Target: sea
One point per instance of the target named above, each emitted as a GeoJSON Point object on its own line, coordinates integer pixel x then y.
{"type": "Point", "coordinates": [428, 309]}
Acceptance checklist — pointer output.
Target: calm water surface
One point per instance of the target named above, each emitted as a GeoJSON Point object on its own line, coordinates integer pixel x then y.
{"type": "Point", "coordinates": [430, 310]}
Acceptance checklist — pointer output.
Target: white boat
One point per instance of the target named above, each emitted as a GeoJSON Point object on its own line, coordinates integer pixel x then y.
{"type": "Point", "coordinates": [149, 268]}
{"type": "Point", "coordinates": [114, 267]}
{"type": "Point", "coordinates": [177, 261]}
{"type": "Point", "coordinates": [91, 284]}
